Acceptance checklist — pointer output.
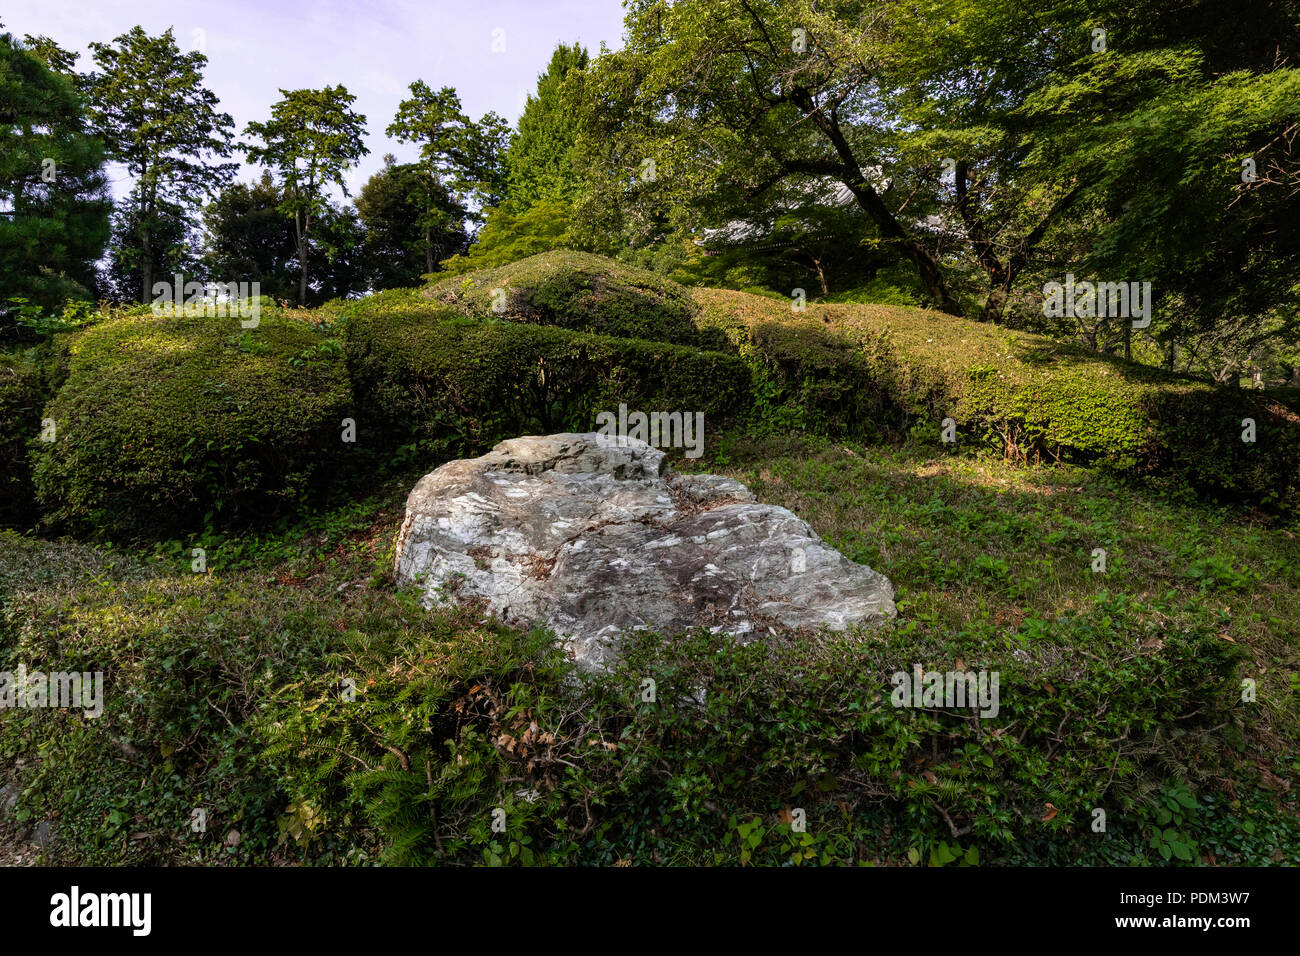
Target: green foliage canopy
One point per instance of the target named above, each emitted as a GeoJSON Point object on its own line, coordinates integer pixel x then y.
{"type": "Point", "coordinates": [312, 138]}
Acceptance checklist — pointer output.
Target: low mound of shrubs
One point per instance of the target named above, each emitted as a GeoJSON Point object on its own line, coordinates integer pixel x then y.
{"type": "Point", "coordinates": [163, 424]}
{"type": "Point", "coordinates": [29, 377]}
{"type": "Point", "coordinates": [576, 290]}
{"type": "Point", "coordinates": [430, 379]}
{"type": "Point", "coordinates": [854, 366]}
{"type": "Point", "coordinates": [171, 423]}
{"type": "Point", "coordinates": [168, 424]}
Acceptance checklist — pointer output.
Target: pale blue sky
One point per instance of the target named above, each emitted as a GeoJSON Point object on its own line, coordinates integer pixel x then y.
{"type": "Point", "coordinates": [373, 47]}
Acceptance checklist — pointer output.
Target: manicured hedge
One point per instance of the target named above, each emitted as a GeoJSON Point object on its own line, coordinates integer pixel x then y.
{"type": "Point", "coordinates": [1036, 397]}
{"type": "Point", "coordinates": [21, 401]}
{"type": "Point", "coordinates": [427, 376]}
{"type": "Point", "coordinates": [29, 378]}
{"type": "Point", "coordinates": [804, 376]}
{"type": "Point", "coordinates": [166, 424]}
{"type": "Point", "coordinates": [575, 290]}
{"type": "Point", "coordinates": [171, 423]}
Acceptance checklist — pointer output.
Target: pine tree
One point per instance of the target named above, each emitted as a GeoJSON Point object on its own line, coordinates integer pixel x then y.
{"type": "Point", "coordinates": [539, 164]}
{"type": "Point", "coordinates": [54, 204]}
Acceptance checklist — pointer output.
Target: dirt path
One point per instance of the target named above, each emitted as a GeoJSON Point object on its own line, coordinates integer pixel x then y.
{"type": "Point", "coordinates": [15, 851]}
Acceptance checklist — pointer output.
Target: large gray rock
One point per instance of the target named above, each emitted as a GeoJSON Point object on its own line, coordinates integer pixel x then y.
{"type": "Point", "coordinates": [591, 535]}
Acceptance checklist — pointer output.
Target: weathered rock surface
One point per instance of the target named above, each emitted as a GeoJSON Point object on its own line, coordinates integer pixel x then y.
{"type": "Point", "coordinates": [591, 535]}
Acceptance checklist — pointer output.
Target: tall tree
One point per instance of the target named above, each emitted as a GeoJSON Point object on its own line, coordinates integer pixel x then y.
{"type": "Point", "coordinates": [247, 235]}
{"type": "Point", "coordinates": [712, 103]}
{"type": "Point", "coordinates": [491, 142]}
{"type": "Point", "coordinates": [402, 241]}
{"type": "Point", "coordinates": [465, 158]}
{"type": "Point", "coordinates": [59, 60]}
{"type": "Point", "coordinates": [173, 248]}
{"type": "Point", "coordinates": [338, 255]}
{"type": "Point", "coordinates": [1096, 112]}
{"type": "Point", "coordinates": [1192, 172]}
{"type": "Point", "coordinates": [539, 162]}
{"type": "Point", "coordinates": [311, 140]}
{"type": "Point", "coordinates": [54, 202]}
{"type": "Point", "coordinates": [149, 104]}
{"type": "Point", "coordinates": [971, 132]}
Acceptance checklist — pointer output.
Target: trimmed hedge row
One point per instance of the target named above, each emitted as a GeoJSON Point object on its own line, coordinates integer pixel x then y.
{"type": "Point", "coordinates": [29, 378]}
{"type": "Point", "coordinates": [171, 423]}
{"type": "Point", "coordinates": [168, 423]}
{"type": "Point", "coordinates": [804, 376]}
{"type": "Point", "coordinates": [428, 377]}
{"type": "Point", "coordinates": [1035, 397]}
{"type": "Point", "coordinates": [576, 290]}
{"type": "Point", "coordinates": [21, 399]}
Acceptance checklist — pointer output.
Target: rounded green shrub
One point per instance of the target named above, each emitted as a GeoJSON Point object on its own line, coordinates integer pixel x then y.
{"type": "Point", "coordinates": [28, 379]}
{"type": "Point", "coordinates": [807, 378]}
{"type": "Point", "coordinates": [1033, 396]}
{"type": "Point", "coordinates": [172, 423]}
{"type": "Point", "coordinates": [579, 291]}
{"type": "Point", "coordinates": [429, 377]}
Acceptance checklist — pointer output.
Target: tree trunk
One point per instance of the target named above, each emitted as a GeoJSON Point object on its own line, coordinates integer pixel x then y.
{"type": "Point", "coordinates": [1001, 276]}
{"type": "Point", "coordinates": [302, 257]}
{"type": "Point", "coordinates": [146, 270]}
{"type": "Point", "coordinates": [994, 306]}
{"type": "Point", "coordinates": [875, 207]}
{"type": "Point", "coordinates": [144, 211]}
{"type": "Point", "coordinates": [926, 267]}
